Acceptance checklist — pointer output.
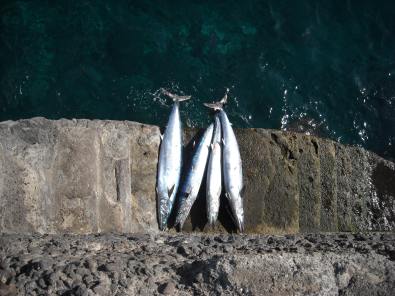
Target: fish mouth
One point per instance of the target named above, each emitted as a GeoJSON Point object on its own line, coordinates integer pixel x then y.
{"type": "Point", "coordinates": [237, 216]}
{"type": "Point", "coordinates": [163, 213]}
{"type": "Point", "coordinates": [163, 227]}
{"type": "Point", "coordinates": [211, 221]}
{"type": "Point", "coordinates": [240, 224]}
{"type": "Point", "coordinates": [162, 223]}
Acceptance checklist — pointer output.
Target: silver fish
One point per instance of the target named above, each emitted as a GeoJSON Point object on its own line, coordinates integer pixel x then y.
{"type": "Point", "coordinates": [190, 188]}
{"type": "Point", "coordinates": [214, 175]}
{"type": "Point", "coordinates": [170, 162]}
{"type": "Point", "coordinates": [231, 164]}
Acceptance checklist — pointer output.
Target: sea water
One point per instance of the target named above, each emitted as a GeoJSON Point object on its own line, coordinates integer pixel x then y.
{"type": "Point", "coordinates": [320, 67]}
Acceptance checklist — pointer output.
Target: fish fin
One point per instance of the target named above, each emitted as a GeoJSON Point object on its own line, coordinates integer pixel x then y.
{"type": "Point", "coordinates": [170, 190]}
{"type": "Point", "coordinates": [242, 190]}
{"type": "Point", "coordinates": [186, 193]}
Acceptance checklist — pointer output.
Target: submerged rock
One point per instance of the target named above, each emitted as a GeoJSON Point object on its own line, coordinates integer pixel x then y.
{"type": "Point", "coordinates": [82, 176]}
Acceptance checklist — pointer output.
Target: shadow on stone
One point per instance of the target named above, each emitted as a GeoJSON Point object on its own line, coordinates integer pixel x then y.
{"type": "Point", "coordinates": [383, 179]}
{"type": "Point", "coordinates": [198, 211]}
{"type": "Point", "coordinates": [198, 214]}
{"type": "Point", "coordinates": [225, 216]}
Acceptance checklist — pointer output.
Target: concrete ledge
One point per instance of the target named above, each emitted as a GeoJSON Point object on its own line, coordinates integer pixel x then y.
{"type": "Point", "coordinates": [82, 176]}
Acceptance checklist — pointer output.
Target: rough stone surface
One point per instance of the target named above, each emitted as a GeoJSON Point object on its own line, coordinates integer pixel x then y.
{"type": "Point", "coordinates": [77, 176]}
{"type": "Point", "coordinates": [189, 264]}
{"type": "Point", "coordinates": [298, 183]}
{"type": "Point", "coordinates": [82, 176]}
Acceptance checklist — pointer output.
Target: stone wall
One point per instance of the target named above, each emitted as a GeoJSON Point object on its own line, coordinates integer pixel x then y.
{"type": "Point", "coordinates": [82, 176]}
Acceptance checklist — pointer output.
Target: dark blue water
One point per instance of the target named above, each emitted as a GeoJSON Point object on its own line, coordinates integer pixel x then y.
{"type": "Point", "coordinates": [321, 67]}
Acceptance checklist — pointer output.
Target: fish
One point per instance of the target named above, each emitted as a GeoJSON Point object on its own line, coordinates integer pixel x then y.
{"type": "Point", "coordinates": [170, 162]}
{"type": "Point", "coordinates": [214, 174]}
{"type": "Point", "coordinates": [231, 165]}
{"type": "Point", "coordinates": [191, 186]}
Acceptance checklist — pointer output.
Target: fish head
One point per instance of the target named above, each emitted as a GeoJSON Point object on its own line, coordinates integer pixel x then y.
{"type": "Point", "coordinates": [236, 204]}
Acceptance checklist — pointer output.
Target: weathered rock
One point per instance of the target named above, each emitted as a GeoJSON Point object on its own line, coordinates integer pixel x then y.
{"type": "Point", "coordinates": [333, 264]}
{"type": "Point", "coordinates": [82, 176]}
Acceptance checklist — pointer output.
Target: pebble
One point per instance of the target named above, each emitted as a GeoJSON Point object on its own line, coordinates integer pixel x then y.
{"type": "Point", "coordinates": [91, 264]}
{"type": "Point", "coordinates": [182, 251]}
{"type": "Point", "coordinates": [101, 290]}
{"type": "Point", "coordinates": [110, 267]}
{"type": "Point", "coordinates": [41, 283]}
{"type": "Point", "coordinates": [168, 288]}
{"type": "Point", "coordinates": [8, 290]}
{"type": "Point", "coordinates": [80, 291]}
{"type": "Point", "coordinates": [4, 276]}
{"type": "Point", "coordinates": [199, 278]}
{"type": "Point", "coordinates": [227, 248]}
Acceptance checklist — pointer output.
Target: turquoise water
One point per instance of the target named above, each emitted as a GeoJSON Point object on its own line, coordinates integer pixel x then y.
{"type": "Point", "coordinates": [322, 67]}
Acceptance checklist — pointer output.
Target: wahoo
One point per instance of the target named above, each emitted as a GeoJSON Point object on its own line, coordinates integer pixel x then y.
{"type": "Point", "coordinates": [214, 175]}
{"type": "Point", "coordinates": [170, 162]}
{"type": "Point", "coordinates": [191, 186]}
{"type": "Point", "coordinates": [231, 164]}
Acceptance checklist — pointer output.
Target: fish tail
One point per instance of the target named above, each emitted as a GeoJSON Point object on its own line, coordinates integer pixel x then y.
{"type": "Point", "coordinates": [220, 104]}
{"type": "Point", "coordinates": [174, 97]}
{"type": "Point", "coordinates": [211, 221]}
